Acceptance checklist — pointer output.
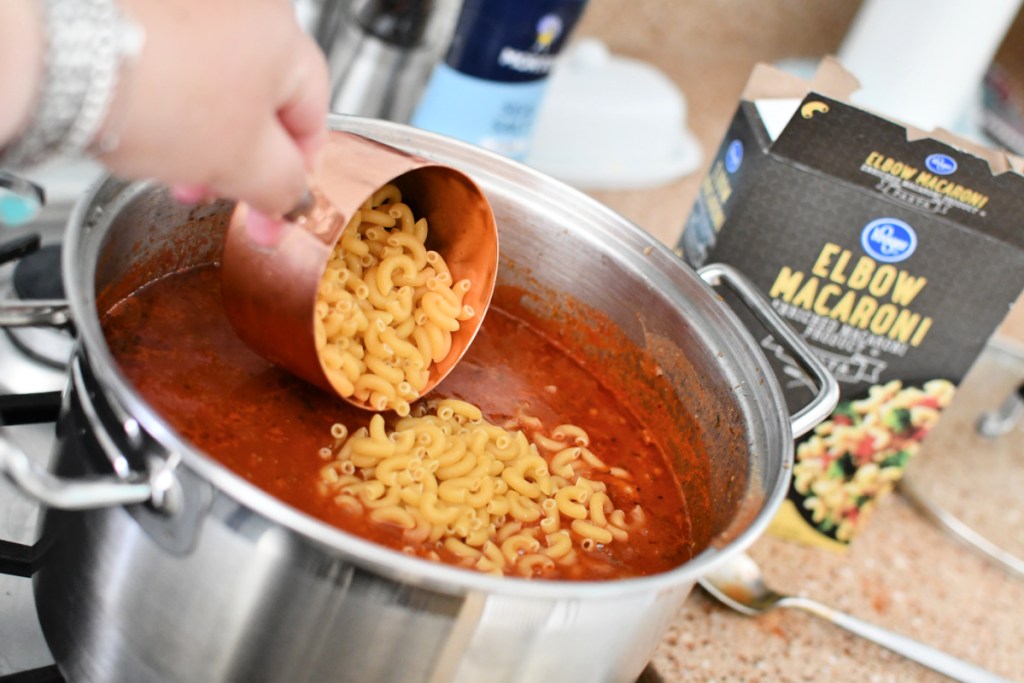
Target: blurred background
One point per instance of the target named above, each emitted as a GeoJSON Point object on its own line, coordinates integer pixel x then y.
{"type": "Point", "coordinates": [699, 55]}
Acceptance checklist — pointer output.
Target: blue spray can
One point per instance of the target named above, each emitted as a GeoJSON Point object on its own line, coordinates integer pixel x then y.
{"type": "Point", "coordinates": [489, 87]}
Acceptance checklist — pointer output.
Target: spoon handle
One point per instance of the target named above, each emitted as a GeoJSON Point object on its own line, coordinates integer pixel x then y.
{"type": "Point", "coordinates": [937, 660]}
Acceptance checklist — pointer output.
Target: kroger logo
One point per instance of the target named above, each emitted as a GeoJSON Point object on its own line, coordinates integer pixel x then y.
{"type": "Point", "coordinates": [889, 240]}
{"type": "Point", "coordinates": [734, 156]}
{"type": "Point", "coordinates": [943, 164]}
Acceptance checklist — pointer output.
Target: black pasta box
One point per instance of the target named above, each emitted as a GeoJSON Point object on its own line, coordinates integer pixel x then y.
{"type": "Point", "coordinates": [895, 254]}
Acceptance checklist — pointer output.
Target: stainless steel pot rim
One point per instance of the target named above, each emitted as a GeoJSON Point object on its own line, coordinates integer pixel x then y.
{"type": "Point", "coordinates": [76, 269]}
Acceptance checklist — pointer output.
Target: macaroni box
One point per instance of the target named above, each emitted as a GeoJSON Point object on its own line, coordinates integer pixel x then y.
{"type": "Point", "coordinates": [895, 253]}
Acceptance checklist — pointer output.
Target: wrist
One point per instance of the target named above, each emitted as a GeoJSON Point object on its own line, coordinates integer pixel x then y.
{"type": "Point", "coordinates": [86, 42]}
{"type": "Point", "coordinates": [22, 46]}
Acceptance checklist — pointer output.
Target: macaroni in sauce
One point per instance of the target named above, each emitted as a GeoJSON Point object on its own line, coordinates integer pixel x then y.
{"type": "Point", "coordinates": [496, 500]}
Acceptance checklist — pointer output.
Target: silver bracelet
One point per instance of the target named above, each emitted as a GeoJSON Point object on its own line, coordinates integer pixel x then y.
{"type": "Point", "coordinates": [87, 42]}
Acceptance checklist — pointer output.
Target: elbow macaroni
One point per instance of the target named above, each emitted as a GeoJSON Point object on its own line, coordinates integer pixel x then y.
{"type": "Point", "coordinates": [484, 497]}
{"type": "Point", "coordinates": [387, 307]}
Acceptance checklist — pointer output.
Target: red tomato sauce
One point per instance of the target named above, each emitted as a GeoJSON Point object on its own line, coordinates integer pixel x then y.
{"type": "Point", "coordinates": [174, 343]}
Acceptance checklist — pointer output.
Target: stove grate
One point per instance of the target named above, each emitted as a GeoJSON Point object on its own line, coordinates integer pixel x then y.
{"type": "Point", "coordinates": [45, 674]}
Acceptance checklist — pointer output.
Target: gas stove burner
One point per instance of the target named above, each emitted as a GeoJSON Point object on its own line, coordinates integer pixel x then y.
{"type": "Point", "coordinates": [45, 674]}
{"type": "Point", "coordinates": [46, 346]}
{"type": "Point", "coordinates": [38, 276]}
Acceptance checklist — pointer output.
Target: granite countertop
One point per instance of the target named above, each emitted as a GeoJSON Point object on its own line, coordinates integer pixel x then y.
{"type": "Point", "coordinates": [903, 572]}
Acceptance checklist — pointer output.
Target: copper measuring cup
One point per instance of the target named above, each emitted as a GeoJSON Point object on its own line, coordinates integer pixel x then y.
{"type": "Point", "coordinates": [270, 293]}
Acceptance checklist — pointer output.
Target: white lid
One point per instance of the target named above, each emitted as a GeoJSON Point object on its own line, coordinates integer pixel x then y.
{"type": "Point", "coordinates": [611, 122]}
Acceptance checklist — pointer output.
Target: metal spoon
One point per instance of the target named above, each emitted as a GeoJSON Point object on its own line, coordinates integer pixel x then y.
{"type": "Point", "coordinates": [739, 584]}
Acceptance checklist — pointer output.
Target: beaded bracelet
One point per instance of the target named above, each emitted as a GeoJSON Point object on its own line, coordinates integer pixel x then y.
{"type": "Point", "coordinates": [87, 43]}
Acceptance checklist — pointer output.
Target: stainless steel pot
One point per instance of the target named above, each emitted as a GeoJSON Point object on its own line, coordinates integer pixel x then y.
{"type": "Point", "coordinates": [174, 569]}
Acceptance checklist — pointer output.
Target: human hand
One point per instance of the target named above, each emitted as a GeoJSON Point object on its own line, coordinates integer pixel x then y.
{"type": "Point", "coordinates": [228, 99]}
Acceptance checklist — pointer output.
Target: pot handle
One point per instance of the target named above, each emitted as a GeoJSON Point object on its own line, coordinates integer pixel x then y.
{"type": "Point", "coordinates": [824, 402]}
{"type": "Point", "coordinates": [34, 481]}
{"type": "Point", "coordinates": [42, 312]}
{"type": "Point", "coordinates": [158, 487]}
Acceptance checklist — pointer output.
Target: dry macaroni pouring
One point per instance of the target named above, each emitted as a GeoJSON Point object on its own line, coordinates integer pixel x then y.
{"type": "Point", "coordinates": [387, 306]}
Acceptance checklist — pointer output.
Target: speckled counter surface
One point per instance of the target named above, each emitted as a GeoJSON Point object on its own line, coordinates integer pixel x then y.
{"type": "Point", "coordinates": [903, 572]}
